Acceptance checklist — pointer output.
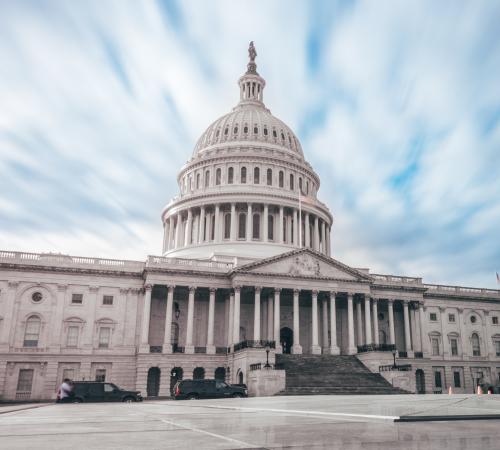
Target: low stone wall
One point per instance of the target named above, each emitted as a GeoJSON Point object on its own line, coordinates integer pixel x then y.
{"type": "Point", "coordinates": [265, 382]}
{"type": "Point", "coordinates": [403, 380]}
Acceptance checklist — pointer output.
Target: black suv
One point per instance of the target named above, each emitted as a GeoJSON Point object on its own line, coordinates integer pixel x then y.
{"type": "Point", "coordinates": [193, 389]}
{"type": "Point", "coordinates": [94, 391]}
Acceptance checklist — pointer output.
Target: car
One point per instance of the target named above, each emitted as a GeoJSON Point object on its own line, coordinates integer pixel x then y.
{"type": "Point", "coordinates": [195, 389]}
{"type": "Point", "coordinates": [95, 391]}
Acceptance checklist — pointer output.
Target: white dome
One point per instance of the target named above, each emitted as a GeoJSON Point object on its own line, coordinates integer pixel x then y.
{"type": "Point", "coordinates": [247, 123]}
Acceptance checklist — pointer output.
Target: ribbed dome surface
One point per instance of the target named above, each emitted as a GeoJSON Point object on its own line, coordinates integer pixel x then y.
{"type": "Point", "coordinates": [249, 123]}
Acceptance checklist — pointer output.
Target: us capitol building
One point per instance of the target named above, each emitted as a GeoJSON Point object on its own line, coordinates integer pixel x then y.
{"type": "Point", "coordinates": [246, 273]}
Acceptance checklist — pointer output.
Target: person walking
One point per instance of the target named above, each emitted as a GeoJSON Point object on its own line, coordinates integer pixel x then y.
{"type": "Point", "coordinates": [64, 392]}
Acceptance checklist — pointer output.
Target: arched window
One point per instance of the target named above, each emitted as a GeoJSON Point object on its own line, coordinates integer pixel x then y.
{"type": "Point", "coordinates": [227, 226]}
{"type": "Point", "coordinates": [212, 227]}
{"type": "Point", "coordinates": [285, 223]}
{"type": "Point", "coordinates": [256, 226]}
{"type": "Point", "coordinates": [32, 331]}
{"type": "Point", "coordinates": [270, 227]}
{"type": "Point", "coordinates": [307, 187]}
{"type": "Point", "coordinates": [230, 175]}
{"type": "Point", "coordinates": [265, 131]}
{"type": "Point", "coordinates": [291, 182]}
{"type": "Point", "coordinates": [207, 178]}
{"type": "Point", "coordinates": [242, 225]}
{"type": "Point", "coordinates": [269, 177]}
{"type": "Point", "coordinates": [256, 175]}
{"type": "Point", "coordinates": [199, 373]}
{"type": "Point", "coordinates": [218, 176]}
{"type": "Point", "coordinates": [220, 374]}
{"type": "Point", "coordinates": [198, 177]}
{"type": "Point", "coordinates": [300, 184]}
{"type": "Point", "coordinates": [476, 349]}
{"type": "Point", "coordinates": [281, 179]}
{"type": "Point", "coordinates": [243, 175]}
{"type": "Point", "coordinates": [275, 135]}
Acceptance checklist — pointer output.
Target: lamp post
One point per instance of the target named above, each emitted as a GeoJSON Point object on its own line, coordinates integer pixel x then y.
{"type": "Point", "coordinates": [394, 357]}
{"type": "Point", "coordinates": [268, 349]}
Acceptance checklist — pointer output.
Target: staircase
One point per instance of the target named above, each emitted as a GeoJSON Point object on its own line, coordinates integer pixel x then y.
{"type": "Point", "coordinates": [326, 374]}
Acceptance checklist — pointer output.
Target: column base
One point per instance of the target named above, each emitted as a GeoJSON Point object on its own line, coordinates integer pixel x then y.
{"type": "Point", "coordinates": [297, 349]}
{"type": "Point", "coordinates": [410, 353]}
{"type": "Point", "coordinates": [211, 350]}
{"type": "Point", "coordinates": [189, 349]}
{"type": "Point", "coordinates": [278, 349]}
{"type": "Point", "coordinates": [334, 350]}
{"type": "Point", "coordinates": [144, 348]}
{"type": "Point", "coordinates": [167, 349]}
{"type": "Point", "coordinates": [352, 351]}
{"type": "Point", "coordinates": [316, 350]}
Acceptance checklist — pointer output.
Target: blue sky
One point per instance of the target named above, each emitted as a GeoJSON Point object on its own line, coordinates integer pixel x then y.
{"type": "Point", "coordinates": [397, 106]}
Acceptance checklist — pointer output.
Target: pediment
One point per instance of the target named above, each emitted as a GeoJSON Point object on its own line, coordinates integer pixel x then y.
{"type": "Point", "coordinates": [304, 263]}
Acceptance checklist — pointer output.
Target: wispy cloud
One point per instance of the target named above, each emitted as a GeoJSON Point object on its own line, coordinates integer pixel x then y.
{"type": "Point", "coordinates": [396, 104]}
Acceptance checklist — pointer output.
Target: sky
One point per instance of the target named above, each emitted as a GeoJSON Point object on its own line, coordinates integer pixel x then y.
{"type": "Point", "coordinates": [396, 104]}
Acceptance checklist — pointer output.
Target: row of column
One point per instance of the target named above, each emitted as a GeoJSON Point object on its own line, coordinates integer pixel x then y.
{"type": "Point", "coordinates": [199, 228]}
{"type": "Point", "coordinates": [273, 332]}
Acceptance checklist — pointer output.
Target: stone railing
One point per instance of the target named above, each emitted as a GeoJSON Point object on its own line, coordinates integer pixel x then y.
{"type": "Point", "coordinates": [260, 366]}
{"type": "Point", "coordinates": [459, 290]}
{"type": "Point", "coordinates": [254, 344]}
{"type": "Point", "coordinates": [60, 260]}
{"type": "Point", "coordinates": [390, 367]}
{"type": "Point", "coordinates": [376, 348]}
{"type": "Point", "coordinates": [396, 279]}
{"type": "Point", "coordinates": [163, 262]}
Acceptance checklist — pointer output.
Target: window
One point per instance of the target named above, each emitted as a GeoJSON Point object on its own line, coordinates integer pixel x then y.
{"type": "Point", "coordinates": [433, 317]}
{"type": "Point", "coordinates": [32, 331]}
{"type": "Point", "coordinates": [473, 319]}
{"type": "Point", "coordinates": [100, 375]}
{"type": "Point", "coordinates": [494, 320]}
{"type": "Point", "coordinates": [291, 182]}
{"type": "Point", "coordinates": [235, 130]}
{"type": "Point", "coordinates": [77, 299]}
{"type": "Point", "coordinates": [269, 177]}
{"type": "Point", "coordinates": [245, 129]}
{"type": "Point", "coordinates": [270, 227]}
{"type": "Point", "coordinates": [280, 179]}
{"type": "Point", "coordinates": [227, 226]}
{"type": "Point", "coordinates": [256, 226]}
{"type": "Point", "coordinates": [265, 131]}
{"type": "Point", "coordinates": [104, 336]}
{"type": "Point", "coordinates": [212, 227]}
{"type": "Point", "coordinates": [476, 349]}
{"type": "Point", "coordinates": [68, 374]}
{"type": "Point", "coordinates": [275, 135]}
{"type": "Point", "coordinates": [456, 379]}
{"type": "Point", "coordinates": [230, 175]}
{"type": "Point", "coordinates": [451, 318]}
{"type": "Point", "coordinates": [25, 380]}
{"type": "Point", "coordinates": [243, 175]}
{"type": "Point", "coordinates": [108, 387]}
{"type": "Point", "coordinates": [37, 297]}
{"type": "Point", "coordinates": [497, 347]}
{"type": "Point", "coordinates": [242, 225]}
{"type": "Point", "coordinates": [255, 130]}
{"type": "Point", "coordinates": [218, 176]}
{"type": "Point", "coordinates": [226, 130]}
{"type": "Point", "coordinates": [437, 379]}
{"type": "Point", "coordinates": [207, 178]}
{"type": "Point", "coordinates": [435, 346]}
{"type": "Point", "coordinates": [454, 347]}
{"type": "Point", "coordinates": [307, 187]}
{"type": "Point", "coordinates": [198, 178]}
{"type": "Point", "coordinates": [300, 185]}
{"type": "Point", "coordinates": [256, 175]}
{"type": "Point", "coordinates": [107, 300]}
{"type": "Point", "coordinates": [72, 338]}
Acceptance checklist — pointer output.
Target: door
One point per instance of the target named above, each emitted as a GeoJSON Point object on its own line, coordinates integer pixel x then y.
{"type": "Point", "coordinates": [286, 339]}
{"type": "Point", "coordinates": [153, 382]}
{"type": "Point", "coordinates": [420, 381]}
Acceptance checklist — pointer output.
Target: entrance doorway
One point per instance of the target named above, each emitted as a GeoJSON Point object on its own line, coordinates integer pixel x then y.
{"type": "Point", "coordinates": [420, 381]}
{"type": "Point", "coordinates": [286, 339]}
{"type": "Point", "coordinates": [175, 375]}
{"type": "Point", "coordinates": [153, 383]}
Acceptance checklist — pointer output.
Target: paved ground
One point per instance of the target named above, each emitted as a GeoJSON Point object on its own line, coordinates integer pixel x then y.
{"type": "Point", "coordinates": [327, 422]}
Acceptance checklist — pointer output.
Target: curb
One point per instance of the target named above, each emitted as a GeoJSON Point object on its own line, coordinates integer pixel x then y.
{"type": "Point", "coordinates": [447, 418]}
{"type": "Point", "coordinates": [23, 408]}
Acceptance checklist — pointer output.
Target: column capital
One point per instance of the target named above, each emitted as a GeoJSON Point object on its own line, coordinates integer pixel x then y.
{"type": "Point", "coordinates": [277, 290]}
{"type": "Point", "coordinates": [405, 302]}
{"type": "Point", "coordinates": [192, 289]}
{"type": "Point", "coordinates": [296, 291]}
{"type": "Point", "coordinates": [315, 292]}
{"type": "Point", "coordinates": [333, 294]}
{"type": "Point", "coordinates": [390, 301]}
{"type": "Point", "coordinates": [93, 288]}
{"type": "Point", "coordinates": [148, 287]}
{"type": "Point", "coordinates": [375, 299]}
{"type": "Point", "coordinates": [350, 295]}
{"type": "Point", "coordinates": [237, 289]}
{"type": "Point", "coordinates": [258, 289]}
{"type": "Point", "coordinates": [460, 310]}
{"type": "Point", "coordinates": [62, 287]}
{"type": "Point", "coordinates": [171, 287]}
{"type": "Point", "coordinates": [212, 290]}
{"type": "Point", "coordinates": [123, 291]}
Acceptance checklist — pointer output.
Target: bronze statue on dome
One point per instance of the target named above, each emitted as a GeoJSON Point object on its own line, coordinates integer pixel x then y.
{"type": "Point", "coordinates": [252, 53]}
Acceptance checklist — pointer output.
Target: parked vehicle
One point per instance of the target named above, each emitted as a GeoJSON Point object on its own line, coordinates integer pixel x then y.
{"type": "Point", "coordinates": [94, 391]}
{"type": "Point", "coordinates": [194, 389]}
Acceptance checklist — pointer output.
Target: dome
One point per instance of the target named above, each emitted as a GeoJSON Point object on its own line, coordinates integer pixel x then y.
{"type": "Point", "coordinates": [249, 123]}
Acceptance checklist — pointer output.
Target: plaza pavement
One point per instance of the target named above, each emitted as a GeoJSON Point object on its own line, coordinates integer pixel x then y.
{"type": "Point", "coordinates": [309, 422]}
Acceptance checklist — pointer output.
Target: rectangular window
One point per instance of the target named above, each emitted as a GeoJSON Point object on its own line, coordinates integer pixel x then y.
{"type": "Point", "coordinates": [454, 347]}
{"type": "Point", "coordinates": [107, 300]}
{"type": "Point", "coordinates": [494, 320]}
{"type": "Point", "coordinates": [433, 317]}
{"type": "Point", "coordinates": [451, 317]}
{"type": "Point", "coordinates": [497, 347]}
{"type": "Point", "coordinates": [437, 379]}
{"type": "Point", "coordinates": [104, 335]}
{"type": "Point", "coordinates": [456, 379]}
{"type": "Point", "coordinates": [77, 299]}
{"type": "Point", "coordinates": [100, 375]}
{"type": "Point", "coordinates": [25, 380]}
{"type": "Point", "coordinates": [72, 340]}
{"type": "Point", "coordinates": [435, 346]}
{"type": "Point", "coordinates": [69, 374]}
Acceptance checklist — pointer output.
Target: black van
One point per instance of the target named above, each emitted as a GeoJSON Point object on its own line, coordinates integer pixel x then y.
{"type": "Point", "coordinates": [194, 389]}
{"type": "Point", "coordinates": [94, 391]}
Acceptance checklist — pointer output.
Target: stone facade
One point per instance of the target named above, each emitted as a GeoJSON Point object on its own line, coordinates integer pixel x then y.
{"type": "Point", "coordinates": [246, 265]}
